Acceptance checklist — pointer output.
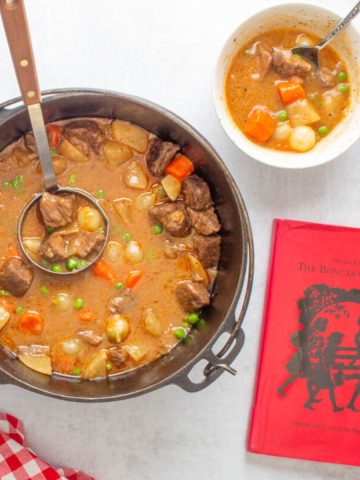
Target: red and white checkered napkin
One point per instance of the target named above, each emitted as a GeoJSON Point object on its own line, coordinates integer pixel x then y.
{"type": "Point", "coordinates": [18, 462]}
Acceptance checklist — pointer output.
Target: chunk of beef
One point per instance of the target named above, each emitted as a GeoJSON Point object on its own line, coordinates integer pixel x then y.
{"type": "Point", "coordinates": [173, 216]}
{"type": "Point", "coordinates": [54, 248]}
{"type": "Point", "coordinates": [264, 60]}
{"type": "Point", "coordinates": [57, 247]}
{"type": "Point", "coordinates": [57, 210]}
{"type": "Point", "coordinates": [15, 276]}
{"type": "Point", "coordinates": [122, 302]}
{"type": "Point", "coordinates": [160, 155]}
{"type": "Point", "coordinates": [192, 295]}
{"type": "Point", "coordinates": [117, 356]}
{"type": "Point", "coordinates": [207, 249]}
{"type": "Point", "coordinates": [196, 193]}
{"type": "Point", "coordinates": [89, 337]}
{"type": "Point", "coordinates": [288, 64]}
{"type": "Point", "coordinates": [85, 243]}
{"type": "Point", "coordinates": [206, 221]}
{"type": "Point", "coordinates": [85, 135]}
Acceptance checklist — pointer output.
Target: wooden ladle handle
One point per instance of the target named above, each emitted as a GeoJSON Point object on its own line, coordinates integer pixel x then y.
{"type": "Point", "coordinates": [17, 33]}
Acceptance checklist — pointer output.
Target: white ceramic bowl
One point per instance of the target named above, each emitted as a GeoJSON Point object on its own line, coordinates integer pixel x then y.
{"type": "Point", "coordinates": [312, 19]}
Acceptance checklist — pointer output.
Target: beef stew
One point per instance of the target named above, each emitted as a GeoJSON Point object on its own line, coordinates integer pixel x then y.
{"type": "Point", "coordinates": [149, 288]}
{"type": "Point", "coordinates": [278, 99]}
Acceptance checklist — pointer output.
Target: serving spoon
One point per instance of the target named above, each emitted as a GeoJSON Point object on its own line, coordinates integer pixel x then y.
{"type": "Point", "coordinates": [18, 36]}
{"type": "Point", "coordinates": [311, 53]}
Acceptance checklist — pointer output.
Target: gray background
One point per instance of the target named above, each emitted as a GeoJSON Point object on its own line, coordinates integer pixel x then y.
{"type": "Point", "coordinates": [165, 50]}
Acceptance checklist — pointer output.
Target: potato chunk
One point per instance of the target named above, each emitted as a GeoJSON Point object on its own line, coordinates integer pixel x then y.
{"type": "Point", "coordinates": [172, 186]}
{"type": "Point", "coordinates": [136, 352]}
{"type": "Point", "coordinates": [36, 357]}
{"type": "Point", "coordinates": [116, 154]}
{"type": "Point", "coordinates": [130, 135]}
{"type": "Point", "coordinates": [96, 366]}
{"type": "Point", "coordinates": [152, 323]}
{"type": "Point", "coordinates": [301, 112]}
{"type": "Point", "coordinates": [69, 151]}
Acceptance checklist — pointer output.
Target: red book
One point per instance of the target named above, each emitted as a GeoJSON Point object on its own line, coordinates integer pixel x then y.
{"type": "Point", "coordinates": [307, 397]}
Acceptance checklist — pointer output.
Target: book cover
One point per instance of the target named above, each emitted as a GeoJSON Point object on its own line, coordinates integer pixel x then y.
{"type": "Point", "coordinates": [307, 396]}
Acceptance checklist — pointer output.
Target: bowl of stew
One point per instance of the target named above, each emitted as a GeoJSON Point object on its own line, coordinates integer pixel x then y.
{"type": "Point", "coordinates": [273, 104]}
{"type": "Point", "coordinates": [177, 258]}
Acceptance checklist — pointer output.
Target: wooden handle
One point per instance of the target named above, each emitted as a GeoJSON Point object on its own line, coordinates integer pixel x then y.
{"type": "Point", "coordinates": [17, 32]}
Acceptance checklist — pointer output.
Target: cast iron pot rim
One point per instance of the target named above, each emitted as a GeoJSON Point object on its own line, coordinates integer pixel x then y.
{"type": "Point", "coordinates": [179, 377]}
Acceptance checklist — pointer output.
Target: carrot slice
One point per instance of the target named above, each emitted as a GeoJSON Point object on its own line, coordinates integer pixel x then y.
{"type": "Point", "coordinates": [133, 277]}
{"type": "Point", "coordinates": [260, 124]}
{"type": "Point", "coordinates": [54, 134]}
{"type": "Point", "coordinates": [31, 322]}
{"type": "Point", "coordinates": [180, 168]}
{"type": "Point", "coordinates": [290, 91]}
{"type": "Point", "coordinates": [86, 315]}
{"type": "Point", "coordinates": [102, 270]}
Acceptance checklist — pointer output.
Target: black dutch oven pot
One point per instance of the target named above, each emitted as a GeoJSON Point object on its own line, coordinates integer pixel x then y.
{"type": "Point", "coordinates": [233, 283]}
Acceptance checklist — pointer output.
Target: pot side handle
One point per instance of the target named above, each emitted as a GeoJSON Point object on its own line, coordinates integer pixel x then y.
{"type": "Point", "coordinates": [220, 362]}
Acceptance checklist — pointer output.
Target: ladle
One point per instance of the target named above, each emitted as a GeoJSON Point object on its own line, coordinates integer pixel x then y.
{"type": "Point", "coordinates": [18, 36]}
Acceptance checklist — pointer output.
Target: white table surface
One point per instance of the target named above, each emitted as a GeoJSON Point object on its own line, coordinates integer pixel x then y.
{"type": "Point", "coordinates": [165, 50]}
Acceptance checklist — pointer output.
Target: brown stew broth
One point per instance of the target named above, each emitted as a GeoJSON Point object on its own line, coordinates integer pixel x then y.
{"type": "Point", "coordinates": [244, 92]}
{"type": "Point", "coordinates": [154, 290]}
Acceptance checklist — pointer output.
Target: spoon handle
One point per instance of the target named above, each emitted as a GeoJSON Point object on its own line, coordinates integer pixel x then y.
{"type": "Point", "coordinates": [18, 36]}
{"type": "Point", "coordinates": [340, 26]}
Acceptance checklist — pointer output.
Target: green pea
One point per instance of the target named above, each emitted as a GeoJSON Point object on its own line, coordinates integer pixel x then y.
{"type": "Point", "coordinates": [201, 323]}
{"type": "Point", "coordinates": [76, 372]}
{"type": "Point", "coordinates": [100, 193]}
{"type": "Point", "coordinates": [56, 268]}
{"type": "Point", "coordinates": [157, 229]}
{"type": "Point", "coordinates": [323, 130]}
{"type": "Point", "coordinates": [119, 286]}
{"type": "Point", "coordinates": [342, 76]}
{"type": "Point", "coordinates": [180, 333]}
{"type": "Point", "coordinates": [82, 263]}
{"type": "Point", "coordinates": [185, 325]}
{"type": "Point", "coordinates": [19, 178]}
{"type": "Point", "coordinates": [343, 87]}
{"type": "Point", "coordinates": [52, 151]}
{"type": "Point", "coordinates": [72, 263]}
{"type": "Point", "coordinates": [6, 184]}
{"type": "Point", "coordinates": [50, 230]}
{"type": "Point", "coordinates": [72, 179]}
{"type": "Point", "coordinates": [109, 367]}
{"type": "Point", "coordinates": [193, 318]}
{"type": "Point", "coordinates": [15, 184]}
{"type": "Point", "coordinates": [44, 290]}
{"type": "Point", "coordinates": [78, 303]}
{"type": "Point", "coordinates": [282, 116]}
{"type": "Point", "coordinates": [4, 293]}
{"type": "Point", "coordinates": [126, 237]}
{"type": "Point", "coordinates": [19, 310]}
{"type": "Point", "coordinates": [187, 340]}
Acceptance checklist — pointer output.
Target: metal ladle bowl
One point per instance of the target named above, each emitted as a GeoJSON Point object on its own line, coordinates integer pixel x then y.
{"type": "Point", "coordinates": [18, 36]}
{"type": "Point", "coordinates": [61, 191]}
